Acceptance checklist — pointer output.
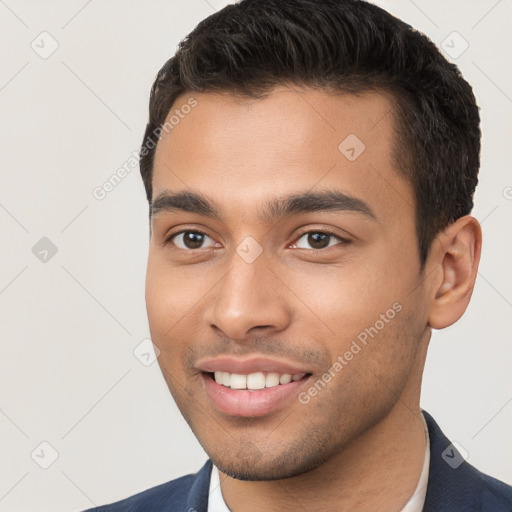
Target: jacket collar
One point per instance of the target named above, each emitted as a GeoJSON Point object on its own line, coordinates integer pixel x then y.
{"type": "Point", "coordinates": [451, 487]}
{"type": "Point", "coordinates": [197, 500]}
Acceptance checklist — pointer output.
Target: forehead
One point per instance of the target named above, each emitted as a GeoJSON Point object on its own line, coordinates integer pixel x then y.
{"type": "Point", "coordinates": [242, 151]}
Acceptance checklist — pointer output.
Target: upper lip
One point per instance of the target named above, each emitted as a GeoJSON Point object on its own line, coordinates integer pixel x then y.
{"type": "Point", "coordinates": [248, 365]}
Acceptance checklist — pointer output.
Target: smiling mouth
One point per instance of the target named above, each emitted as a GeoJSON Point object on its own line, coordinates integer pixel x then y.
{"type": "Point", "coordinates": [254, 381]}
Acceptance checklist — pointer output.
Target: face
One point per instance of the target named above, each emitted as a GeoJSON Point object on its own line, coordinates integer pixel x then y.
{"type": "Point", "coordinates": [283, 289]}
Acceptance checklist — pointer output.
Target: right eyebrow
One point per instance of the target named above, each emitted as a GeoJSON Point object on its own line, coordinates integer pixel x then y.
{"type": "Point", "coordinates": [191, 202]}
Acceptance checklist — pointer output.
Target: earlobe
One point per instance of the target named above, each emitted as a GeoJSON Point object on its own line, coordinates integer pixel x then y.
{"type": "Point", "coordinates": [458, 255]}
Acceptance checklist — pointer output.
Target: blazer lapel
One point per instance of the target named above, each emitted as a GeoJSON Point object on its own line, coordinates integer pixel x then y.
{"type": "Point", "coordinates": [451, 487]}
{"type": "Point", "coordinates": [197, 500]}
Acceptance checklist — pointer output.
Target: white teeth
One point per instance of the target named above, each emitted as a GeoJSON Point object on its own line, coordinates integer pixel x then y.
{"type": "Point", "coordinates": [285, 378]}
{"type": "Point", "coordinates": [272, 380]}
{"type": "Point", "coordinates": [226, 379]}
{"type": "Point", "coordinates": [257, 380]}
{"type": "Point", "coordinates": [238, 381]}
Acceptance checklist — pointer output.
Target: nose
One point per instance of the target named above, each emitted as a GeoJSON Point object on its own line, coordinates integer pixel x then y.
{"type": "Point", "coordinates": [249, 301]}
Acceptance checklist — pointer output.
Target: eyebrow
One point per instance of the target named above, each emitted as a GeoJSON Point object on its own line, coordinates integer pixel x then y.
{"type": "Point", "coordinates": [293, 204]}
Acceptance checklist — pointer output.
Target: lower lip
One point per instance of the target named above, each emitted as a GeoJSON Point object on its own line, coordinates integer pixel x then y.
{"type": "Point", "coordinates": [251, 403]}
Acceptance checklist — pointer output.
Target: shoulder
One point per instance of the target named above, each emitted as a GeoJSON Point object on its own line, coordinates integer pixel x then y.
{"type": "Point", "coordinates": [184, 493]}
{"type": "Point", "coordinates": [496, 495]}
{"type": "Point", "coordinates": [455, 485]}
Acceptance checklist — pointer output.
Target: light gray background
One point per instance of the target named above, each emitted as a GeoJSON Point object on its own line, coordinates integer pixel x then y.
{"type": "Point", "coordinates": [69, 326]}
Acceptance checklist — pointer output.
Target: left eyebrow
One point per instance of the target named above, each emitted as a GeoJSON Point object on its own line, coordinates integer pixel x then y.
{"type": "Point", "coordinates": [293, 204]}
{"type": "Point", "coordinates": [310, 202]}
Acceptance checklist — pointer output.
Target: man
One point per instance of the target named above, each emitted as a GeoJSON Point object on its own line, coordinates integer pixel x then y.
{"type": "Point", "coordinates": [310, 168]}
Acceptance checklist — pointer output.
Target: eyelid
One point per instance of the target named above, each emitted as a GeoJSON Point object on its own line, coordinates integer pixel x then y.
{"type": "Point", "coordinates": [183, 228]}
{"type": "Point", "coordinates": [324, 231]}
{"type": "Point", "coordinates": [168, 239]}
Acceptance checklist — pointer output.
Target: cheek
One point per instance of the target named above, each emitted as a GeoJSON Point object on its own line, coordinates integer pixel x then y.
{"type": "Point", "coordinates": [170, 296]}
{"type": "Point", "coordinates": [346, 299]}
{"type": "Point", "coordinates": [167, 310]}
{"type": "Point", "coordinates": [373, 325]}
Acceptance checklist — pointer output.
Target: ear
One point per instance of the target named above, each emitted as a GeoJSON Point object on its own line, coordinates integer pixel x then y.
{"type": "Point", "coordinates": [456, 252]}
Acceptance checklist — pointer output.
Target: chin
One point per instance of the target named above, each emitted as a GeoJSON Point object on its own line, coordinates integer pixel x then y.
{"type": "Point", "coordinates": [243, 466]}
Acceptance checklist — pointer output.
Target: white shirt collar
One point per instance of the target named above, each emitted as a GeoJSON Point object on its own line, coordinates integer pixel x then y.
{"type": "Point", "coordinates": [216, 502]}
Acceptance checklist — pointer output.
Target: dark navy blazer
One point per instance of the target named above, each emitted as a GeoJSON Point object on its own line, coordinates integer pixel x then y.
{"type": "Point", "coordinates": [453, 486]}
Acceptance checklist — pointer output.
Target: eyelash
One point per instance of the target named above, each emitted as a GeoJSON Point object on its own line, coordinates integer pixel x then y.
{"type": "Point", "coordinates": [343, 241]}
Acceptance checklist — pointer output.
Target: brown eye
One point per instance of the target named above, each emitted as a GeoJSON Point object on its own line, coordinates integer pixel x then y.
{"type": "Point", "coordinates": [317, 240]}
{"type": "Point", "coordinates": [191, 240]}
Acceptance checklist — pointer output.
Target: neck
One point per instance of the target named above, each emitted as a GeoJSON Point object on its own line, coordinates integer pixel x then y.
{"type": "Point", "coordinates": [378, 471]}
